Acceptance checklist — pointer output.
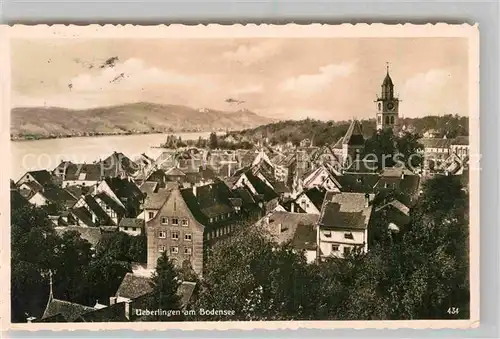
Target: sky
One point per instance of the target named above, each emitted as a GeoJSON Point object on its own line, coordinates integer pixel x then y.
{"type": "Point", "coordinates": [292, 78]}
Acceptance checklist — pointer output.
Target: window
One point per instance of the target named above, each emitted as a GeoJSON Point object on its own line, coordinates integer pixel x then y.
{"type": "Point", "coordinates": [161, 248]}
{"type": "Point", "coordinates": [335, 248]}
{"type": "Point", "coordinates": [392, 120]}
{"type": "Point", "coordinates": [164, 220]}
{"type": "Point", "coordinates": [211, 220]}
{"type": "Point", "coordinates": [347, 250]}
{"type": "Point", "coordinates": [162, 234]}
{"type": "Point", "coordinates": [175, 221]}
{"type": "Point", "coordinates": [126, 228]}
{"type": "Point", "coordinates": [188, 251]}
{"type": "Point", "coordinates": [185, 222]}
{"type": "Point", "coordinates": [229, 215]}
{"type": "Point", "coordinates": [380, 119]}
{"type": "Point", "coordinates": [174, 250]}
{"type": "Point", "coordinates": [175, 235]}
{"type": "Point", "coordinates": [327, 234]}
{"type": "Point", "coordinates": [348, 236]}
{"type": "Point", "coordinates": [387, 120]}
{"type": "Point", "coordinates": [188, 237]}
{"type": "Point", "coordinates": [379, 107]}
{"type": "Point", "coordinates": [151, 215]}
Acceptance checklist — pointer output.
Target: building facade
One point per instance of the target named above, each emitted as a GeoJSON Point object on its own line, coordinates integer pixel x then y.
{"type": "Point", "coordinates": [387, 105]}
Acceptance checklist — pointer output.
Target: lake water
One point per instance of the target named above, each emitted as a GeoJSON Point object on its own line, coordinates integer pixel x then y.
{"type": "Point", "coordinates": [47, 154]}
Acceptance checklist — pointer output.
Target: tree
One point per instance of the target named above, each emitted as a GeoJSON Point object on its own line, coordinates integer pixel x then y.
{"type": "Point", "coordinates": [213, 142]}
{"type": "Point", "coordinates": [165, 283]}
{"type": "Point", "coordinates": [411, 150]}
{"type": "Point", "coordinates": [382, 148]}
{"type": "Point", "coordinates": [256, 278]}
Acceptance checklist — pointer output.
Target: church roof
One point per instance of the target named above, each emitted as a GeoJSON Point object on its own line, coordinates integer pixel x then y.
{"type": "Point", "coordinates": [354, 135]}
{"type": "Point", "coordinates": [387, 80]}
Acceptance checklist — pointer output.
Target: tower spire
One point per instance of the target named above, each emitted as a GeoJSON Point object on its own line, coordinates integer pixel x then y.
{"type": "Point", "coordinates": [387, 66]}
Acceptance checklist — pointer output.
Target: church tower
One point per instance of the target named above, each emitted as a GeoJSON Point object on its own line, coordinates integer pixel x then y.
{"type": "Point", "coordinates": [387, 105]}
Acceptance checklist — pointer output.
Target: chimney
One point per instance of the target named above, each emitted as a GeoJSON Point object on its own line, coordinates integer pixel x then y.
{"type": "Point", "coordinates": [292, 209]}
{"type": "Point", "coordinates": [280, 228]}
{"type": "Point", "coordinates": [194, 190]}
{"type": "Point", "coordinates": [367, 199]}
{"type": "Point", "coordinates": [112, 301]}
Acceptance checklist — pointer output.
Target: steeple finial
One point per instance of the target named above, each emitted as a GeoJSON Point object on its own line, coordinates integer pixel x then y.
{"type": "Point", "coordinates": [387, 66]}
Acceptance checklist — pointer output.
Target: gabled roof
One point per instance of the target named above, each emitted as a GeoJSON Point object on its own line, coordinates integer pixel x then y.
{"type": "Point", "coordinates": [354, 135]}
{"type": "Point", "coordinates": [134, 286]}
{"type": "Point", "coordinates": [210, 201]}
{"type": "Point", "coordinates": [85, 172]}
{"type": "Point", "coordinates": [77, 191]}
{"type": "Point", "coordinates": [43, 177]}
{"type": "Point", "coordinates": [338, 144]}
{"type": "Point", "coordinates": [316, 196]}
{"type": "Point", "coordinates": [148, 187]}
{"type": "Point", "coordinates": [363, 166]}
{"type": "Point", "coordinates": [97, 210]}
{"type": "Point", "coordinates": [111, 203]}
{"type": "Point", "coordinates": [155, 200]}
{"type": "Point", "coordinates": [358, 182]}
{"type": "Point", "coordinates": [112, 313]}
{"type": "Point", "coordinates": [70, 311]}
{"type": "Point", "coordinates": [118, 162]}
{"type": "Point", "coordinates": [346, 210]}
{"type": "Point", "coordinates": [59, 195]}
{"type": "Point", "coordinates": [123, 188]}
{"type": "Point", "coordinates": [261, 187]}
{"type": "Point", "coordinates": [174, 171]}
{"type": "Point", "coordinates": [82, 214]}
{"type": "Point", "coordinates": [296, 228]}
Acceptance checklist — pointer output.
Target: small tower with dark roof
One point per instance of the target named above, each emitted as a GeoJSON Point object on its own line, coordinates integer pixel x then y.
{"type": "Point", "coordinates": [353, 143]}
{"type": "Point", "coordinates": [387, 104]}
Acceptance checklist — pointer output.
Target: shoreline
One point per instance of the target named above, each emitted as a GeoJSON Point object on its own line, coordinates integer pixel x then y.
{"type": "Point", "coordinates": [29, 138]}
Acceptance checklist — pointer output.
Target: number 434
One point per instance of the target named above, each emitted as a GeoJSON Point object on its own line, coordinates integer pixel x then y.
{"type": "Point", "coordinates": [453, 310]}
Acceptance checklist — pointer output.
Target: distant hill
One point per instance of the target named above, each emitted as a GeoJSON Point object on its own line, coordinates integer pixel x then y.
{"type": "Point", "coordinates": [47, 122]}
{"type": "Point", "coordinates": [328, 132]}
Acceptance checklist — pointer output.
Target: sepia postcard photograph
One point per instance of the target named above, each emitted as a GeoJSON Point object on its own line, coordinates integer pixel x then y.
{"type": "Point", "coordinates": [258, 176]}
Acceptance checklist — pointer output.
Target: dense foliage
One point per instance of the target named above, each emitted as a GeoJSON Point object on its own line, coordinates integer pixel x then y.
{"type": "Point", "coordinates": [418, 273]}
{"type": "Point", "coordinates": [81, 273]}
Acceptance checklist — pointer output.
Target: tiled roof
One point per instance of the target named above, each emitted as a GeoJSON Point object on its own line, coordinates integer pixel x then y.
{"type": "Point", "coordinates": [77, 191]}
{"type": "Point", "coordinates": [211, 200]}
{"type": "Point", "coordinates": [87, 172]}
{"type": "Point", "coordinates": [57, 194]}
{"type": "Point", "coordinates": [119, 162]}
{"type": "Point", "coordinates": [43, 177]}
{"type": "Point", "coordinates": [281, 187]}
{"type": "Point", "coordinates": [296, 228]}
{"type": "Point", "coordinates": [132, 222]}
{"type": "Point", "coordinates": [82, 214]}
{"type": "Point", "coordinates": [98, 211]}
{"type": "Point", "coordinates": [112, 313]}
{"type": "Point", "coordinates": [70, 311]}
{"type": "Point", "coordinates": [134, 286]}
{"type": "Point", "coordinates": [316, 196]}
{"type": "Point", "coordinates": [123, 188]}
{"type": "Point", "coordinates": [245, 195]}
{"type": "Point", "coordinates": [346, 210]}
{"type": "Point", "coordinates": [261, 187]}
{"type": "Point", "coordinates": [354, 135]}
{"type": "Point", "coordinates": [92, 234]}
{"type": "Point", "coordinates": [148, 187]}
{"type": "Point", "coordinates": [174, 171]}
{"type": "Point", "coordinates": [358, 182]}
{"type": "Point", "coordinates": [435, 142]}
{"type": "Point", "coordinates": [112, 203]}
{"type": "Point", "coordinates": [155, 201]}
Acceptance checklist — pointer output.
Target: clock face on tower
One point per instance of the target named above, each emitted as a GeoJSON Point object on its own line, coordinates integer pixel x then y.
{"type": "Point", "coordinates": [390, 106]}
